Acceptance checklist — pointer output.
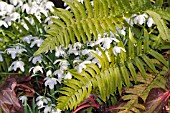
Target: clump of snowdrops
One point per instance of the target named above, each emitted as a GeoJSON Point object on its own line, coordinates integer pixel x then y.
{"type": "Point", "coordinates": [52, 67]}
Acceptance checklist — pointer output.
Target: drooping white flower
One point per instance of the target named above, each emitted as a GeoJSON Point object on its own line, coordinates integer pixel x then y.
{"type": "Point", "coordinates": [16, 50]}
{"type": "Point", "coordinates": [56, 111]}
{"type": "Point", "coordinates": [15, 65]}
{"type": "Point", "coordinates": [140, 19]}
{"type": "Point", "coordinates": [23, 98]}
{"type": "Point", "coordinates": [68, 76]}
{"type": "Point", "coordinates": [49, 73]}
{"type": "Point", "coordinates": [49, 5]}
{"type": "Point", "coordinates": [27, 38]}
{"type": "Point", "coordinates": [50, 81]}
{"type": "Point", "coordinates": [63, 64]}
{"type": "Point", "coordinates": [1, 58]}
{"type": "Point", "coordinates": [48, 109]}
{"type": "Point", "coordinates": [117, 50]}
{"type": "Point", "coordinates": [9, 8]}
{"type": "Point", "coordinates": [3, 5]}
{"type": "Point", "coordinates": [41, 100]}
{"type": "Point", "coordinates": [14, 2]}
{"type": "Point", "coordinates": [60, 74]}
{"type": "Point", "coordinates": [14, 16]}
{"type": "Point", "coordinates": [106, 42]}
{"type": "Point", "coordinates": [3, 23]}
{"type": "Point", "coordinates": [82, 66]}
{"type": "Point", "coordinates": [150, 22]}
{"type": "Point", "coordinates": [60, 51]}
{"type": "Point", "coordinates": [37, 41]}
{"type": "Point", "coordinates": [36, 69]}
{"type": "Point", "coordinates": [36, 59]}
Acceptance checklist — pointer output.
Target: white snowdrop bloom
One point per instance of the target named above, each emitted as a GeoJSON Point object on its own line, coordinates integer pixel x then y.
{"type": "Point", "coordinates": [37, 41]}
{"type": "Point", "coordinates": [81, 1]}
{"type": "Point", "coordinates": [14, 16]}
{"type": "Point", "coordinates": [106, 42]}
{"type": "Point", "coordinates": [140, 19]}
{"type": "Point", "coordinates": [150, 22]}
{"type": "Point", "coordinates": [49, 5]}
{"type": "Point", "coordinates": [36, 69]}
{"type": "Point", "coordinates": [59, 51]}
{"type": "Point", "coordinates": [56, 111]}
{"type": "Point", "coordinates": [15, 65]}
{"type": "Point", "coordinates": [1, 59]}
{"type": "Point", "coordinates": [41, 100]}
{"type": "Point", "coordinates": [49, 73]}
{"type": "Point", "coordinates": [27, 38]}
{"type": "Point", "coordinates": [3, 23]}
{"type": "Point", "coordinates": [68, 76]}
{"type": "Point", "coordinates": [48, 109]}
{"type": "Point", "coordinates": [59, 74]}
{"type": "Point", "coordinates": [117, 50]}
{"type": "Point", "coordinates": [63, 64]}
{"type": "Point", "coordinates": [121, 31]}
{"type": "Point", "coordinates": [36, 59]}
{"type": "Point", "coordinates": [3, 5]}
{"type": "Point", "coordinates": [14, 2]}
{"type": "Point", "coordinates": [86, 51]}
{"type": "Point", "coordinates": [9, 8]}
{"type": "Point", "coordinates": [23, 98]}
{"type": "Point", "coordinates": [82, 66]}
{"type": "Point", "coordinates": [26, 7]}
{"type": "Point", "coordinates": [17, 50]}
{"type": "Point", "coordinates": [50, 81]}
{"type": "Point", "coordinates": [73, 50]}
{"type": "Point", "coordinates": [3, 13]}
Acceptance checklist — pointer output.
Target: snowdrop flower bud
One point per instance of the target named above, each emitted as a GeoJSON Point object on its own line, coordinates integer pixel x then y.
{"type": "Point", "coordinates": [150, 22]}
{"type": "Point", "coordinates": [117, 50]}
{"type": "Point", "coordinates": [23, 98]}
{"type": "Point", "coordinates": [140, 19]}
{"type": "Point", "coordinates": [36, 69]}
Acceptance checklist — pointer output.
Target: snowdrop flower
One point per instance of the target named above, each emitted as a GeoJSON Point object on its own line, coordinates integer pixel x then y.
{"type": "Point", "coordinates": [129, 21]}
{"type": "Point", "coordinates": [3, 6]}
{"type": "Point", "coordinates": [106, 42]}
{"type": "Point", "coordinates": [17, 50]}
{"type": "Point", "coordinates": [36, 69]}
{"type": "Point", "coordinates": [14, 2]}
{"type": "Point", "coordinates": [1, 59]}
{"type": "Point", "coordinates": [47, 109]}
{"type": "Point", "coordinates": [150, 22]}
{"type": "Point", "coordinates": [36, 59]}
{"type": "Point", "coordinates": [117, 50]}
{"type": "Point", "coordinates": [41, 100]}
{"type": "Point", "coordinates": [60, 51]}
{"type": "Point", "coordinates": [23, 98]}
{"type": "Point", "coordinates": [140, 19]}
{"type": "Point", "coordinates": [121, 31]}
{"type": "Point", "coordinates": [49, 73]}
{"type": "Point", "coordinates": [14, 16]}
{"type": "Point", "coordinates": [68, 76]}
{"type": "Point", "coordinates": [82, 66]}
{"type": "Point", "coordinates": [60, 74]}
{"type": "Point", "coordinates": [50, 81]}
{"type": "Point", "coordinates": [3, 23]}
{"type": "Point", "coordinates": [27, 38]}
{"type": "Point", "coordinates": [15, 65]}
{"type": "Point", "coordinates": [9, 8]}
{"type": "Point", "coordinates": [49, 5]}
{"type": "Point", "coordinates": [37, 41]}
{"type": "Point", "coordinates": [56, 111]}
{"type": "Point", "coordinates": [63, 64]}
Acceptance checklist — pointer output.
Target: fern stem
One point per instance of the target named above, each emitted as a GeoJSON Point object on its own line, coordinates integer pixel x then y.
{"type": "Point", "coordinates": [85, 106]}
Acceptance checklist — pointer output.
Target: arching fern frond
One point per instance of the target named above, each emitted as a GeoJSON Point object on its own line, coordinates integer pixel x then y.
{"type": "Point", "coordinates": [112, 75]}
{"type": "Point", "coordinates": [86, 21]}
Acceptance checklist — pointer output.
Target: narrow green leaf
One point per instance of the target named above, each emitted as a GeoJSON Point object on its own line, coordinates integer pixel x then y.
{"type": "Point", "coordinates": [140, 66]}
{"type": "Point", "coordinates": [132, 71]}
{"type": "Point", "coordinates": [159, 57]}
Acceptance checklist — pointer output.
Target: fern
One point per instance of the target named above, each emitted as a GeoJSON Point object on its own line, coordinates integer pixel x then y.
{"type": "Point", "coordinates": [112, 75]}
{"type": "Point", "coordinates": [133, 94]}
{"type": "Point", "coordinates": [86, 21]}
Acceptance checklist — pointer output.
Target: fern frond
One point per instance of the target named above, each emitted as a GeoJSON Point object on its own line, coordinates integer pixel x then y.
{"type": "Point", "coordinates": [111, 76]}
{"type": "Point", "coordinates": [133, 94]}
{"type": "Point", "coordinates": [86, 21]}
